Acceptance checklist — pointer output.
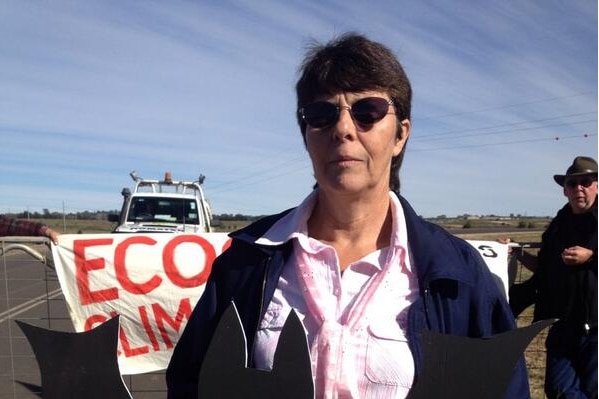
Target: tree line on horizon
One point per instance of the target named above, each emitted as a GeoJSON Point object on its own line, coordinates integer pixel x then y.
{"type": "Point", "coordinates": [102, 215]}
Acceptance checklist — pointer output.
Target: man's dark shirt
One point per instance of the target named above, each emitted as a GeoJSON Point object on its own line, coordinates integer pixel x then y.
{"type": "Point", "coordinates": [568, 292]}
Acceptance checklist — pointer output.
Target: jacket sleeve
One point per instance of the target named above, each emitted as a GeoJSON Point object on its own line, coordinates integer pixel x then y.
{"type": "Point", "coordinates": [17, 227]}
{"type": "Point", "coordinates": [502, 319]}
{"type": "Point", "coordinates": [235, 276]}
{"type": "Point", "coordinates": [493, 315]}
{"type": "Point", "coordinates": [183, 371]}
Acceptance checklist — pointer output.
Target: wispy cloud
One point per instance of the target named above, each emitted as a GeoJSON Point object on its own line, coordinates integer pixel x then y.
{"type": "Point", "coordinates": [93, 90]}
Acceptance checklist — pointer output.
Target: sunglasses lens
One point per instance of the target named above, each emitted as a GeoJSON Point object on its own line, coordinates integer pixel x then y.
{"type": "Point", "coordinates": [582, 182]}
{"type": "Point", "coordinates": [320, 114]}
{"type": "Point", "coordinates": [368, 111]}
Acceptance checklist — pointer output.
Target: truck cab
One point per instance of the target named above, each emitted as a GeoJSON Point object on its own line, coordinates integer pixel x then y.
{"type": "Point", "coordinates": [163, 206]}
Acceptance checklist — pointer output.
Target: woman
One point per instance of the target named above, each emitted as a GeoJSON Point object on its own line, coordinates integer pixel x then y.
{"type": "Point", "coordinates": [365, 274]}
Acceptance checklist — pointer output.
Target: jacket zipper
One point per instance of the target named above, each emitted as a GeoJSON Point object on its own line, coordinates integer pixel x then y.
{"type": "Point", "coordinates": [260, 308]}
{"type": "Point", "coordinates": [426, 314]}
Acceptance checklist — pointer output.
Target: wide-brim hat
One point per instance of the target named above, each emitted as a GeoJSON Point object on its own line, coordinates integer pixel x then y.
{"type": "Point", "coordinates": [580, 166]}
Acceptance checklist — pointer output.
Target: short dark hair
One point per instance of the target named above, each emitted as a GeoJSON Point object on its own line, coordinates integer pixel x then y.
{"type": "Point", "coordinates": [354, 63]}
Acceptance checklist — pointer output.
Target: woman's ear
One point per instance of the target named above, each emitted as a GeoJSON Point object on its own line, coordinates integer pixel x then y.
{"type": "Point", "coordinates": [404, 128]}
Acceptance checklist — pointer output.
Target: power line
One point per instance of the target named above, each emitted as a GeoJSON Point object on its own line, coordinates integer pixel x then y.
{"type": "Point", "coordinates": [557, 138]}
{"type": "Point", "coordinates": [269, 173]}
{"type": "Point", "coordinates": [436, 138]}
{"type": "Point", "coordinates": [434, 135]}
{"type": "Point", "coordinates": [509, 105]}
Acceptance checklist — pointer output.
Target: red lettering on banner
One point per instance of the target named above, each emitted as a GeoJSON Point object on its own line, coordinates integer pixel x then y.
{"type": "Point", "coordinates": [129, 352]}
{"type": "Point", "coordinates": [120, 267]}
{"type": "Point", "coordinates": [161, 316]}
{"type": "Point", "coordinates": [145, 321]}
{"type": "Point", "coordinates": [105, 270]}
{"type": "Point", "coordinates": [84, 266]}
{"type": "Point", "coordinates": [93, 320]}
{"type": "Point", "coordinates": [173, 273]}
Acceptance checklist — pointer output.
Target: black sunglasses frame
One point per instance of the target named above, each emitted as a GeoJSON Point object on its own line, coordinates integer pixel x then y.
{"type": "Point", "coordinates": [366, 111]}
{"type": "Point", "coordinates": [583, 181]}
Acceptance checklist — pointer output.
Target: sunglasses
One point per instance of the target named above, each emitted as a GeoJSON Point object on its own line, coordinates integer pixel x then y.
{"type": "Point", "coordinates": [366, 111]}
{"type": "Point", "coordinates": [584, 182]}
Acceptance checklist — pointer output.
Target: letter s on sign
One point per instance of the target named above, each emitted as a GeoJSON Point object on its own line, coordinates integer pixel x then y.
{"type": "Point", "coordinates": [171, 269]}
{"type": "Point", "coordinates": [487, 251]}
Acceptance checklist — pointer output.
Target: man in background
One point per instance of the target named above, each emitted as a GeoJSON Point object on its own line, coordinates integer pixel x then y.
{"type": "Point", "coordinates": [565, 278]}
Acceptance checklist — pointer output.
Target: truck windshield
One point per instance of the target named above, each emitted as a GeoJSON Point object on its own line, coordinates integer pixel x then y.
{"type": "Point", "coordinates": [170, 210]}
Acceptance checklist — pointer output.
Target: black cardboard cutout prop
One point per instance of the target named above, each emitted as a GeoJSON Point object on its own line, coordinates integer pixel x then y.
{"type": "Point", "coordinates": [225, 374]}
{"type": "Point", "coordinates": [453, 367]}
{"type": "Point", "coordinates": [34, 389]}
{"type": "Point", "coordinates": [78, 365]}
{"type": "Point", "coordinates": [461, 367]}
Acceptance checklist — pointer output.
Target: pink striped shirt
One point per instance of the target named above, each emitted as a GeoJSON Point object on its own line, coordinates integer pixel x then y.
{"type": "Point", "coordinates": [355, 321]}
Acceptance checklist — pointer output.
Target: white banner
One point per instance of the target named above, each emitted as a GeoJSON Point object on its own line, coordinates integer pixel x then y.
{"type": "Point", "coordinates": [154, 281]}
{"type": "Point", "coordinates": [495, 256]}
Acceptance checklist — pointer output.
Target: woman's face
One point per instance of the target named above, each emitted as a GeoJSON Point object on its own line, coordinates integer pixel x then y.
{"type": "Point", "coordinates": [350, 157]}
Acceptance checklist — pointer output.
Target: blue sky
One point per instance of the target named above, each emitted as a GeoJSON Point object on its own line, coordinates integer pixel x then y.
{"type": "Point", "coordinates": [505, 96]}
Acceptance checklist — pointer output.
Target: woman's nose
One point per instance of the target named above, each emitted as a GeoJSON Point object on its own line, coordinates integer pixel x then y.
{"type": "Point", "coordinates": [345, 127]}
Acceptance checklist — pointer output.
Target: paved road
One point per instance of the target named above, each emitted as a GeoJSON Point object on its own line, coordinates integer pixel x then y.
{"type": "Point", "coordinates": [30, 292]}
{"type": "Point", "coordinates": [25, 284]}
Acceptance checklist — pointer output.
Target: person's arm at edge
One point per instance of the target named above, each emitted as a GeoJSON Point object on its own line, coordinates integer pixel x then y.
{"type": "Point", "coordinates": [46, 231]}
{"type": "Point", "coordinates": [528, 260]}
{"type": "Point", "coordinates": [17, 227]}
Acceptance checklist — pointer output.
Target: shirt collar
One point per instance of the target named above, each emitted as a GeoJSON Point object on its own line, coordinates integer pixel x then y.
{"type": "Point", "coordinates": [290, 225]}
{"type": "Point", "coordinates": [294, 223]}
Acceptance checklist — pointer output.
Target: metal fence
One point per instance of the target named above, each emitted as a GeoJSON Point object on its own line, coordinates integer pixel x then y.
{"type": "Point", "coordinates": [30, 292]}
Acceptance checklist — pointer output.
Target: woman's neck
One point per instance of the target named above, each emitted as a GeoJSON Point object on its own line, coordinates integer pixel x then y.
{"type": "Point", "coordinates": [354, 228]}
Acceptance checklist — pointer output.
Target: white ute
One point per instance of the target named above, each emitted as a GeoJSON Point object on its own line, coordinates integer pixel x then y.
{"type": "Point", "coordinates": [163, 206]}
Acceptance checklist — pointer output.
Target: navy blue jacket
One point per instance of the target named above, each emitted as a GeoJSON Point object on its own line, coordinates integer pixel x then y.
{"type": "Point", "coordinates": [458, 296]}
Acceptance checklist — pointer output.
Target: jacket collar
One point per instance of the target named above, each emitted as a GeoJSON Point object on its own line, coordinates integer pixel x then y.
{"type": "Point", "coordinates": [436, 254]}
{"type": "Point", "coordinates": [252, 232]}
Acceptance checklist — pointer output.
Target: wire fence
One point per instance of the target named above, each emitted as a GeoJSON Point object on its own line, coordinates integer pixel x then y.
{"type": "Point", "coordinates": [30, 292]}
{"type": "Point", "coordinates": [535, 352]}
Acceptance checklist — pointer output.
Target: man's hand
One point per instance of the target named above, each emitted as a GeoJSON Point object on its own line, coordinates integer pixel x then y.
{"type": "Point", "coordinates": [576, 255]}
{"type": "Point", "coordinates": [506, 241]}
